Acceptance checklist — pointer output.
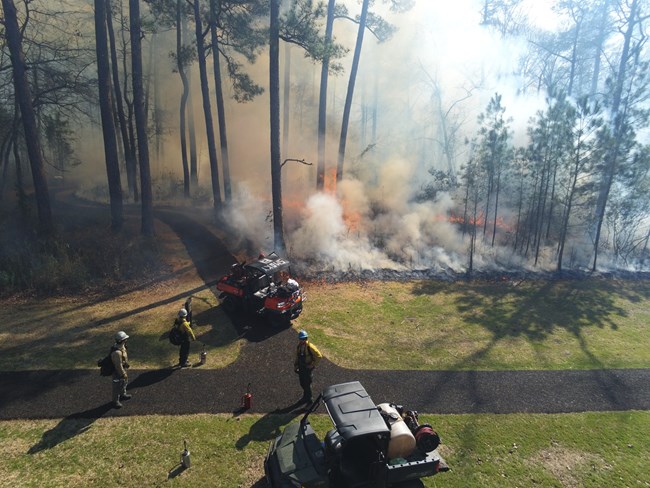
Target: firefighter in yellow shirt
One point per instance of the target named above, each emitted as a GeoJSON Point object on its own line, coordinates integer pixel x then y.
{"type": "Point", "coordinates": [306, 359]}
{"type": "Point", "coordinates": [187, 333]}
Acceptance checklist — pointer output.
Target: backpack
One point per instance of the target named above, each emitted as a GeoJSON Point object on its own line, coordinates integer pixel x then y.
{"type": "Point", "coordinates": [106, 366]}
{"type": "Point", "coordinates": [175, 335]}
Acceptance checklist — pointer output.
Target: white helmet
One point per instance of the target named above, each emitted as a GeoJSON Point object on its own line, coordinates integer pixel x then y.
{"type": "Point", "coordinates": [182, 312]}
{"type": "Point", "coordinates": [121, 336]}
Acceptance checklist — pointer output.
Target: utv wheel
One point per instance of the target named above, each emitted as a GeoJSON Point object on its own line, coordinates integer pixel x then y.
{"type": "Point", "coordinates": [280, 322]}
{"type": "Point", "coordinates": [229, 305]}
{"type": "Point", "coordinates": [296, 313]}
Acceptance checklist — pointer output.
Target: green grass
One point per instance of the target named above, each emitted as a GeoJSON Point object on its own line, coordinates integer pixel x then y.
{"type": "Point", "coordinates": [585, 450]}
{"type": "Point", "coordinates": [482, 326]}
{"type": "Point", "coordinates": [375, 325]}
{"type": "Point", "coordinates": [74, 333]}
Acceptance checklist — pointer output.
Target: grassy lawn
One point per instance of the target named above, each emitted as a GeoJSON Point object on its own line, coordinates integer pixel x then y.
{"type": "Point", "coordinates": [571, 450]}
{"type": "Point", "coordinates": [73, 332]}
{"type": "Point", "coordinates": [467, 326]}
{"type": "Point", "coordinates": [375, 325]}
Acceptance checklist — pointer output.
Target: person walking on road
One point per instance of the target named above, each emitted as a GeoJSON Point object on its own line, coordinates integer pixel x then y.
{"type": "Point", "coordinates": [307, 357]}
{"type": "Point", "coordinates": [186, 333]}
{"type": "Point", "coordinates": [120, 360]}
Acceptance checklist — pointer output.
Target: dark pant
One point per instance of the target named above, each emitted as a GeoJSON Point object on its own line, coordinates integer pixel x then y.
{"type": "Point", "coordinates": [119, 388]}
{"type": "Point", "coordinates": [305, 376]}
{"type": "Point", "coordinates": [184, 352]}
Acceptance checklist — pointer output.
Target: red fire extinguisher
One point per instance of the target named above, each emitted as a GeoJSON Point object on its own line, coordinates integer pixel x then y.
{"type": "Point", "coordinates": [247, 399]}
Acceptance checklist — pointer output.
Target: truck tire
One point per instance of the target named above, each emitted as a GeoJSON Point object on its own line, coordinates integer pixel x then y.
{"type": "Point", "coordinates": [280, 321]}
{"type": "Point", "coordinates": [229, 305]}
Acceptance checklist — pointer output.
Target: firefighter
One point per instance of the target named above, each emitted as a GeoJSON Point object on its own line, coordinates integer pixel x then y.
{"type": "Point", "coordinates": [120, 360]}
{"type": "Point", "coordinates": [186, 334]}
{"type": "Point", "coordinates": [292, 285]}
{"type": "Point", "coordinates": [307, 357]}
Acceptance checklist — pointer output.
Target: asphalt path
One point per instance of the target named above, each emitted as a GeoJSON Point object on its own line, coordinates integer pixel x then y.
{"type": "Point", "coordinates": [266, 366]}
{"type": "Point", "coordinates": [265, 363]}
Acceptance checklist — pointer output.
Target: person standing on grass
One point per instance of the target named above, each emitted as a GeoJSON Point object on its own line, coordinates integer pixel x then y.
{"type": "Point", "coordinates": [306, 359]}
{"type": "Point", "coordinates": [120, 360]}
{"type": "Point", "coordinates": [186, 334]}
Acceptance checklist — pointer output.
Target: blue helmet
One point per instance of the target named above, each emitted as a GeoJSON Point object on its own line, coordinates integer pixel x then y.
{"type": "Point", "coordinates": [302, 335]}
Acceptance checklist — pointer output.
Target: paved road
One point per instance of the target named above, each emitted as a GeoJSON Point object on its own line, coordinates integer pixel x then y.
{"type": "Point", "coordinates": [267, 367]}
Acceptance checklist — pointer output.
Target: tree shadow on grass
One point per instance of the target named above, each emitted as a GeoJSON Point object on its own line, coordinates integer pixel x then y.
{"type": "Point", "coordinates": [267, 427]}
{"type": "Point", "coordinates": [535, 310]}
{"type": "Point", "coordinates": [69, 427]}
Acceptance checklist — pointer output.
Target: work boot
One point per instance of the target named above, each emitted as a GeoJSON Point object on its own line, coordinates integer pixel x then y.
{"type": "Point", "coordinates": [117, 404]}
{"type": "Point", "coordinates": [126, 396]}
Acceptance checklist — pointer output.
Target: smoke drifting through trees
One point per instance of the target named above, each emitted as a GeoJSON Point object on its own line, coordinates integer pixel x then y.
{"type": "Point", "coordinates": [420, 188]}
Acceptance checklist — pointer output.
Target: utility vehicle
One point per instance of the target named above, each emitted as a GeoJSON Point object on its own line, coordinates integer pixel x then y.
{"type": "Point", "coordinates": [370, 446]}
{"type": "Point", "coordinates": [262, 286]}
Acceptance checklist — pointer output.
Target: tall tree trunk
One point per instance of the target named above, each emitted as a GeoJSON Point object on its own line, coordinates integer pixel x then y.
{"type": "Point", "coordinates": [4, 163]}
{"type": "Point", "coordinates": [207, 109]}
{"type": "Point", "coordinates": [497, 192]}
{"type": "Point", "coordinates": [141, 119]}
{"type": "Point", "coordinates": [598, 48]}
{"type": "Point", "coordinates": [131, 169]}
{"type": "Point", "coordinates": [348, 98]}
{"type": "Point", "coordinates": [613, 154]}
{"type": "Point", "coordinates": [32, 138]}
{"type": "Point", "coordinates": [322, 99]}
{"type": "Point", "coordinates": [286, 99]}
{"type": "Point", "coordinates": [191, 133]}
{"type": "Point", "coordinates": [186, 91]}
{"type": "Point", "coordinates": [574, 57]}
{"type": "Point", "coordinates": [274, 95]}
{"type": "Point", "coordinates": [472, 238]}
{"type": "Point", "coordinates": [571, 191]}
{"type": "Point", "coordinates": [157, 109]}
{"type": "Point", "coordinates": [215, 10]}
{"type": "Point", "coordinates": [20, 181]}
{"type": "Point", "coordinates": [12, 144]}
{"type": "Point", "coordinates": [194, 173]}
{"type": "Point", "coordinates": [108, 119]}
{"type": "Point", "coordinates": [541, 209]}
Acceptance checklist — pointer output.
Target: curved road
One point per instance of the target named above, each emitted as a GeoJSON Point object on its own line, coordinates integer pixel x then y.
{"type": "Point", "coordinates": [265, 363]}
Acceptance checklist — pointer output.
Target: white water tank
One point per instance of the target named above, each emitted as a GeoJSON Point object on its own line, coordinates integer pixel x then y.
{"type": "Point", "coordinates": [402, 441]}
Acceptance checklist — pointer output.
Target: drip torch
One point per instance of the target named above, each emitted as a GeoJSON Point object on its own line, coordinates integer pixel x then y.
{"type": "Point", "coordinates": [185, 456]}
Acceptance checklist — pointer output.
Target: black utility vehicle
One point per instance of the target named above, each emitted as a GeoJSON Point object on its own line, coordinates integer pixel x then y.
{"type": "Point", "coordinates": [262, 286]}
{"type": "Point", "coordinates": [370, 446]}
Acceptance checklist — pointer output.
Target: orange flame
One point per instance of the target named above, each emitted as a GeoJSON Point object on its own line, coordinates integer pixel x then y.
{"type": "Point", "coordinates": [480, 220]}
{"type": "Point", "coordinates": [329, 183]}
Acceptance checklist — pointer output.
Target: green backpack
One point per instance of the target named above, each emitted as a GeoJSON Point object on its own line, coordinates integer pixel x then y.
{"type": "Point", "coordinates": [106, 366]}
{"type": "Point", "coordinates": [175, 335]}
